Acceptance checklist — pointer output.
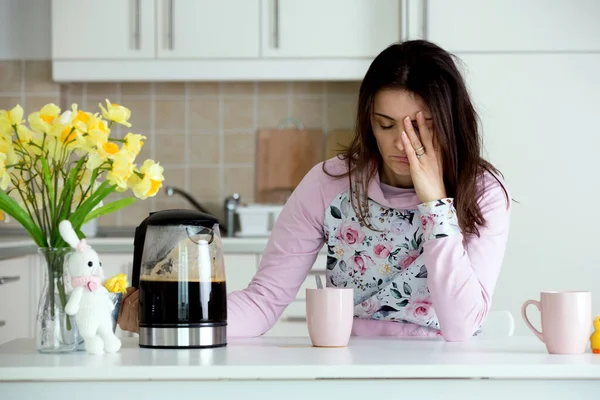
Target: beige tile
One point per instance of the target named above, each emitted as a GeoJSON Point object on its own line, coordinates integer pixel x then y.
{"type": "Point", "coordinates": [205, 184]}
{"type": "Point", "coordinates": [93, 101]}
{"type": "Point", "coordinates": [240, 180]}
{"type": "Point", "coordinates": [204, 149]}
{"type": "Point", "coordinates": [175, 177]}
{"type": "Point", "coordinates": [170, 115]}
{"type": "Point", "coordinates": [341, 113]}
{"type": "Point", "coordinates": [10, 77]}
{"type": "Point", "coordinates": [170, 149]}
{"type": "Point", "coordinates": [109, 219]}
{"type": "Point", "coordinates": [274, 88]}
{"type": "Point", "coordinates": [171, 203]}
{"type": "Point", "coordinates": [238, 114]}
{"type": "Point", "coordinates": [309, 112]}
{"type": "Point", "coordinates": [204, 115]}
{"type": "Point", "coordinates": [38, 77]}
{"type": "Point", "coordinates": [134, 214]}
{"type": "Point", "coordinates": [240, 148]}
{"type": "Point", "coordinates": [106, 90]}
{"type": "Point", "coordinates": [203, 88]}
{"type": "Point", "coordinates": [237, 88]}
{"type": "Point", "coordinates": [35, 103]}
{"type": "Point", "coordinates": [7, 103]}
{"type": "Point", "coordinates": [136, 88]}
{"type": "Point", "coordinates": [169, 89]}
{"type": "Point", "coordinates": [141, 115]}
{"type": "Point", "coordinates": [271, 111]}
{"type": "Point", "coordinates": [309, 87]}
{"type": "Point", "coordinates": [73, 89]}
{"type": "Point", "coordinates": [342, 87]}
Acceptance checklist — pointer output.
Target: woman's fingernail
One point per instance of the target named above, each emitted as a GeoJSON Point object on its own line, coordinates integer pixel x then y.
{"type": "Point", "coordinates": [404, 134]}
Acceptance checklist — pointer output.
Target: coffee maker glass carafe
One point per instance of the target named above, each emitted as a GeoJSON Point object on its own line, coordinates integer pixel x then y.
{"type": "Point", "coordinates": [183, 295]}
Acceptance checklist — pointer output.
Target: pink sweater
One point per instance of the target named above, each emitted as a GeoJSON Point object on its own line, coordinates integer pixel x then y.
{"type": "Point", "coordinates": [417, 275]}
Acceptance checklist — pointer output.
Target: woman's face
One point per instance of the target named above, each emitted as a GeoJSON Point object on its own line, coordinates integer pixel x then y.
{"type": "Point", "coordinates": [390, 107]}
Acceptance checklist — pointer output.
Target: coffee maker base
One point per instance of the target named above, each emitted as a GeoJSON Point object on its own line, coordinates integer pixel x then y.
{"type": "Point", "coordinates": [183, 337]}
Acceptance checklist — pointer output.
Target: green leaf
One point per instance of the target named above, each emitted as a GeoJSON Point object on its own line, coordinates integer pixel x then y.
{"type": "Point", "coordinates": [402, 303]}
{"type": "Point", "coordinates": [335, 212]}
{"type": "Point", "coordinates": [407, 289]}
{"type": "Point", "coordinates": [396, 293]}
{"type": "Point", "coordinates": [88, 205]}
{"type": "Point", "coordinates": [108, 208]}
{"type": "Point", "coordinates": [394, 285]}
{"type": "Point", "coordinates": [12, 208]}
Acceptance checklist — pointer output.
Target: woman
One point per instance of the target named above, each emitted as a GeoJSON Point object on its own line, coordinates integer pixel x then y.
{"type": "Point", "coordinates": [414, 219]}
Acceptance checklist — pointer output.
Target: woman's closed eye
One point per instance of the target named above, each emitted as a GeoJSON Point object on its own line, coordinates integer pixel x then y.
{"type": "Point", "coordinates": [386, 127]}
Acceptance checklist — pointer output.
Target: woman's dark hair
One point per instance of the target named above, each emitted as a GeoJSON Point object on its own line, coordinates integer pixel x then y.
{"type": "Point", "coordinates": [428, 71]}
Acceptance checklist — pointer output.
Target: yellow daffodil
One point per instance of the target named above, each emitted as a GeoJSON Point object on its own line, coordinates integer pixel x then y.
{"type": "Point", "coordinates": [13, 116]}
{"type": "Point", "coordinates": [150, 183]}
{"type": "Point", "coordinates": [1, 216]}
{"type": "Point", "coordinates": [41, 121]}
{"type": "Point", "coordinates": [121, 170]}
{"type": "Point", "coordinates": [116, 113]}
{"type": "Point", "coordinates": [134, 143]}
{"type": "Point", "coordinates": [4, 175]}
{"type": "Point", "coordinates": [116, 284]}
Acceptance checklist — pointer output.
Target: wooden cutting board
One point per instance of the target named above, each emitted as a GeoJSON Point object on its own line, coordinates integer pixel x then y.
{"type": "Point", "coordinates": [283, 157]}
{"type": "Point", "coordinates": [336, 141]}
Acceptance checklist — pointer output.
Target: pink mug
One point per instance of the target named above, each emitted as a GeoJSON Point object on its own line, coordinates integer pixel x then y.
{"type": "Point", "coordinates": [566, 321]}
{"type": "Point", "coordinates": [329, 315]}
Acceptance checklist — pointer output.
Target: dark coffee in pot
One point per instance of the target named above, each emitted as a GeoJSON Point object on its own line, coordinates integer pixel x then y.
{"type": "Point", "coordinates": [168, 302]}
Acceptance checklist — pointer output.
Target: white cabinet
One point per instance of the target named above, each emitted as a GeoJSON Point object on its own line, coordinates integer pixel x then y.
{"type": "Point", "coordinates": [239, 270]}
{"type": "Point", "coordinates": [513, 25]}
{"type": "Point", "coordinates": [329, 29]}
{"type": "Point", "coordinates": [538, 113]}
{"type": "Point", "coordinates": [16, 303]}
{"type": "Point", "coordinates": [208, 29]}
{"type": "Point", "coordinates": [103, 30]}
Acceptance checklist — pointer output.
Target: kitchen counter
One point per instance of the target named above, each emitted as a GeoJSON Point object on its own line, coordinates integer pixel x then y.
{"type": "Point", "coordinates": [291, 368]}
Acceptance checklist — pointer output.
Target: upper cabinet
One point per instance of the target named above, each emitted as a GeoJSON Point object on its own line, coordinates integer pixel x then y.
{"type": "Point", "coordinates": [208, 29]}
{"type": "Point", "coordinates": [177, 40]}
{"type": "Point", "coordinates": [329, 29]}
{"type": "Point", "coordinates": [513, 25]}
{"type": "Point", "coordinates": [103, 30]}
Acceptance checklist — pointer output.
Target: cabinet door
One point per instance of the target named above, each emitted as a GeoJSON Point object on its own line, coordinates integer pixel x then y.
{"type": "Point", "coordinates": [239, 270]}
{"type": "Point", "coordinates": [329, 29]}
{"type": "Point", "coordinates": [16, 300]}
{"type": "Point", "coordinates": [513, 25]}
{"type": "Point", "coordinates": [108, 29]}
{"type": "Point", "coordinates": [208, 29]}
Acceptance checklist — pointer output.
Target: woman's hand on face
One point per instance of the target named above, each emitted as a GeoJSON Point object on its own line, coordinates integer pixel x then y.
{"type": "Point", "coordinates": [425, 162]}
{"type": "Point", "coordinates": [128, 314]}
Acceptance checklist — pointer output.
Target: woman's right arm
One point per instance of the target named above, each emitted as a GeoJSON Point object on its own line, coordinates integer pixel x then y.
{"type": "Point", "coordinates": [291, 251]}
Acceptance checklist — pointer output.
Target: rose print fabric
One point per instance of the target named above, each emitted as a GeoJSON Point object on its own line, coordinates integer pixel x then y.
{"type": "Point", "coordinates": [384, 264]}
{"type": "Point", "coordinates": [414, 274]}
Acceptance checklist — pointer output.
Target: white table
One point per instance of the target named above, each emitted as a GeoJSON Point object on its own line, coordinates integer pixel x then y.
{"type": "Point", "coordinates": [283, 368]}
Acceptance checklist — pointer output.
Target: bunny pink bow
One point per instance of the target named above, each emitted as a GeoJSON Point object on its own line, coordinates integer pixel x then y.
{"type": "Point", "coordinates": [91, 282]}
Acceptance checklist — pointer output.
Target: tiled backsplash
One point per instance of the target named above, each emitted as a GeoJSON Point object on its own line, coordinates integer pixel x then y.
{"type": "Point", "coordinates": [203, 133]}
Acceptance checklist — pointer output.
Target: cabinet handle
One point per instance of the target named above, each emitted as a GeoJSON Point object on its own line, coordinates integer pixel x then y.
{"type": "Point", "coordinates": [136, 24]}
{"type": "Point", "coordinates": [8, 279]}
{"type": "Point", "coordinates": [276, 24]}
{"type": "Point", "coordinates": [425, 12]}
{"type": "Point", "coordinates": [170, 24]}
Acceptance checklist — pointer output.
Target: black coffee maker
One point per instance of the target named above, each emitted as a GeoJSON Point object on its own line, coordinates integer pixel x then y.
{"type": "Point", "coordinates": [179, 270]}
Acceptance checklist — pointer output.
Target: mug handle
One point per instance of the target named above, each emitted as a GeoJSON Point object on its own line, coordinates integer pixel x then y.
{"type": "Point", "coordinates": [537, 333]}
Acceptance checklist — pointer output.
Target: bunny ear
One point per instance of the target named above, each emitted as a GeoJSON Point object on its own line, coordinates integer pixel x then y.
{"type": "Point", "coordinates": [68, 233]}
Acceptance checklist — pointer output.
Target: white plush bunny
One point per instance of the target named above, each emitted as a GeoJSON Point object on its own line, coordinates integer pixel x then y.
{"type": "Point", "coordinates": [88, 301]}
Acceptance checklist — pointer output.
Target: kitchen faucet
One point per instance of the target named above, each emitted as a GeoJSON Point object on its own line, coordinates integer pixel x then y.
{"type": "Point", "coordinates": [171, 191]}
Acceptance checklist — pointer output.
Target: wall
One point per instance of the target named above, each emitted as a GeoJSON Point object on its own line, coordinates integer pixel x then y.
{"type": "Point", "coordinates": [203, 133]}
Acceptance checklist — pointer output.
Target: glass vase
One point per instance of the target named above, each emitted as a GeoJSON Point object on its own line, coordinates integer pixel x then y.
{"type": "Point", "coordinates": [56, 332]}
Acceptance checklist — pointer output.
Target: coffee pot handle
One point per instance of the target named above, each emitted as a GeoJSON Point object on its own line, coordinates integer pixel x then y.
{"type": "Point", "coordinates": [537, 333]}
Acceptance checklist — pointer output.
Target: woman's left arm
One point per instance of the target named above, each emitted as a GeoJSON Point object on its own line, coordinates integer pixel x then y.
{"type": "Point", "coordinates": [462, 271]}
